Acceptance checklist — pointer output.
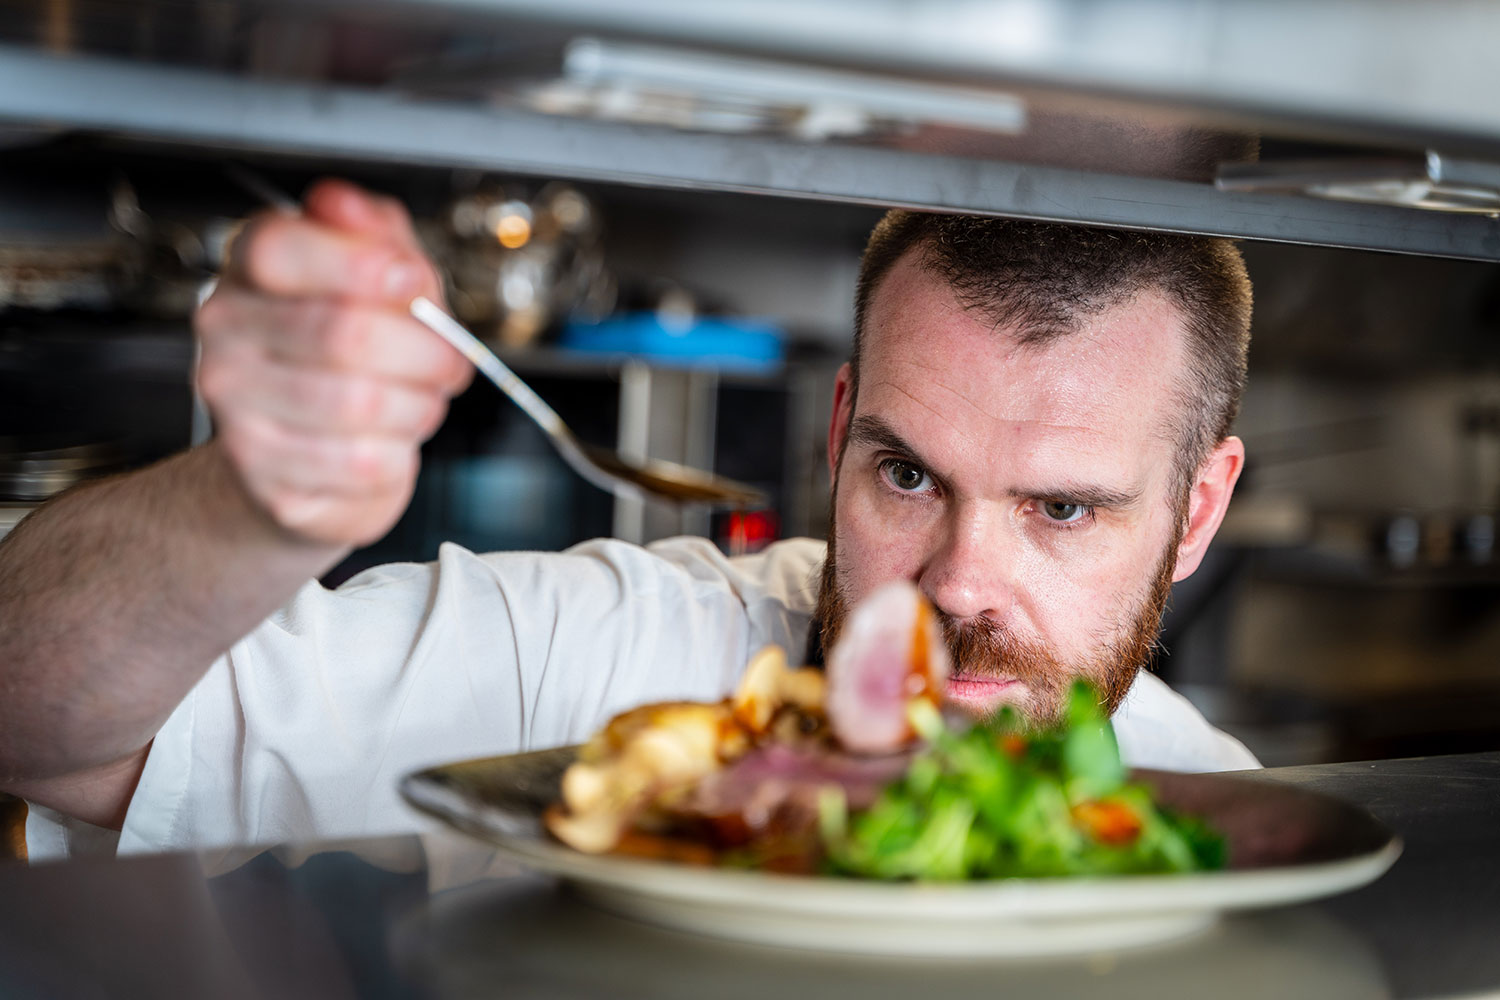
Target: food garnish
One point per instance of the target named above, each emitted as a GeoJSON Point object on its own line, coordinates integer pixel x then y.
{"type": "Point", "coordinates": [996, 800]}
{"type": "Point", "coordinates": [865, 773]}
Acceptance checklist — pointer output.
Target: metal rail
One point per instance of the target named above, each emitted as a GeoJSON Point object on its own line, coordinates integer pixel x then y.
{"type": "Point", "coordinates": [243, 113]}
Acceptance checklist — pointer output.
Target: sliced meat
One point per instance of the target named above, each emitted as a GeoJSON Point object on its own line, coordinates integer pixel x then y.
{"type": "Point", "coordinates": [890, 652]}
{"type": "Point", "coordinates": [775, 788]}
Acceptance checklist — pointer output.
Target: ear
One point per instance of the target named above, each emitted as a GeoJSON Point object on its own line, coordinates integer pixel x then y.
{"type": "Point", "coordinates": [1212, 488]}
{"type": "Point", "coordinates": [838, 421]}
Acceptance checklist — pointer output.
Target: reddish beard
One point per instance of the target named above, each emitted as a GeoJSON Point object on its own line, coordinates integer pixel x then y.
{"type": "Point", "coordinates": [984, 649]}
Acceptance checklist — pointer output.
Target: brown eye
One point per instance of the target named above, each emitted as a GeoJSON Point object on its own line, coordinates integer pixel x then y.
{"type": "Point", "coordinates": [1063, 512]}
{"type": "Point", "coordinates": [905, 476]}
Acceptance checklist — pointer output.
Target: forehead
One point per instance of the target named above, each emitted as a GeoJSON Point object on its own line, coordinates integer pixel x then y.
{"type": "Point", "coordinates": [1109, 385]}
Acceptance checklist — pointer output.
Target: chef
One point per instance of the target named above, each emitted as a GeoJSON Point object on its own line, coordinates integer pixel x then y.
{"type": "Point", "coordinates": [1033, 429]}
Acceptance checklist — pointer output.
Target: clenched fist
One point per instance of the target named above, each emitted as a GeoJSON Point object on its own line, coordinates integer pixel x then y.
{"type": "Point", "coordinates": [321, 385]}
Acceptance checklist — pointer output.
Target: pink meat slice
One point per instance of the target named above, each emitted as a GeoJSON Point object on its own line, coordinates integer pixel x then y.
{"type": "Point", "coordinates": [890, 651]}
{"type": "Point", "coordinates": [778, 781]}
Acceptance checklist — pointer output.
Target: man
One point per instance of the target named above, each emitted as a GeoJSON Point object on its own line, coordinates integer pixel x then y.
{"type": "Point", "coordinates": [1033, 428]}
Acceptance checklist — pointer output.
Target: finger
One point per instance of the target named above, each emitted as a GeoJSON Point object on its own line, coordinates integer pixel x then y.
{"type": "Point", "coordinates": [336, 336]}
{"type": "Point", "coordinates": [349, 207]}
{"type": "Point", "coordinates": [288, 255]}
{"type": "Point", "coordinates": [333, 403]}
{"type": "Point", "coordinates": [277, 459]}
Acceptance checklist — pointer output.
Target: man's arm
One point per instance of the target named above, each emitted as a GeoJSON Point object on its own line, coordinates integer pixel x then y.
{"type": "Point", "coordinates": [116, 597]}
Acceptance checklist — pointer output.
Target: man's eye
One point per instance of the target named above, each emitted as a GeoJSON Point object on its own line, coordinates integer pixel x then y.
{"type": "Point", "coordinates": [904, 476]}
{"type": "Point", "coordinates": [1063, 512]}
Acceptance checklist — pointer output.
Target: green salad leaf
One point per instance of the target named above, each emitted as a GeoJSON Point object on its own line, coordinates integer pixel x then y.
{"type": "Point", "coordinates": [997, 800]}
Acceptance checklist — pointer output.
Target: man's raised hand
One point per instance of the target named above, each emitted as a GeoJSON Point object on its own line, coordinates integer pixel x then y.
{"type": "Point", "coordinates": [321, 385]}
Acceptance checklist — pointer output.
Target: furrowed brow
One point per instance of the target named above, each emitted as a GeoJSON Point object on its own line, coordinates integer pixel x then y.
{"type": "Point", "coordinates": [873, 432]}
{"type": "Point", "coordinates": [1089, 495]}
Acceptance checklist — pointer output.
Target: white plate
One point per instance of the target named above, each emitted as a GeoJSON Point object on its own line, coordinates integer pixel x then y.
{"type": "Point", "coordinates": [1286, 845]}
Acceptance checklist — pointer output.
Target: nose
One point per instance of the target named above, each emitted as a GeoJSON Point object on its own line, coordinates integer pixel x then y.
{"type": "Point", "coordinates": [972, 573]}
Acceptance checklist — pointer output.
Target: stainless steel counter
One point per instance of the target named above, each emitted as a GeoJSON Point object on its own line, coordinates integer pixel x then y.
{"type": "Point", "coordinates": [438, 917]}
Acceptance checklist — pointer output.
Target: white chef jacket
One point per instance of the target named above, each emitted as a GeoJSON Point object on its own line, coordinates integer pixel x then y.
{"type": "Point", "coordinates": [304, 728]}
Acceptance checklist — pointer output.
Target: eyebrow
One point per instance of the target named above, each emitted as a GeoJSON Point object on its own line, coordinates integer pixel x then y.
{"type": "Point", "coordinates": [1090, 496]}
{"type": "Point", "coordinates": [874, 432]}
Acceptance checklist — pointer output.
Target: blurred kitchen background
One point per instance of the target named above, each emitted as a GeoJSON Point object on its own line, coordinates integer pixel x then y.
{"type": "Point", "coordinates": [656, 219]}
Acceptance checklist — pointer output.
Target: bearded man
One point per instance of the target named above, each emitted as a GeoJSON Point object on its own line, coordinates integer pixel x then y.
{"type": "Point", "coordinates": [1033, 429]}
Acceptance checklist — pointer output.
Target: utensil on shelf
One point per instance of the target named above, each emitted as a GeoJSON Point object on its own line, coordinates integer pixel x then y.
{"type": "Point", "coordinates": [600, 466]}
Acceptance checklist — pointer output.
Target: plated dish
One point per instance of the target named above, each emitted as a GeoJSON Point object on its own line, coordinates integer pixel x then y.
{"type": "Point", "coordinates": [1286, 845]}
{"type": "Point", "coordinates": [859, 809]}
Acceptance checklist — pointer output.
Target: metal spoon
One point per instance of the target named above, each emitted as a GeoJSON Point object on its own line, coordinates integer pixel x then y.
{"type": "Point", "coordinates": [605, 469]}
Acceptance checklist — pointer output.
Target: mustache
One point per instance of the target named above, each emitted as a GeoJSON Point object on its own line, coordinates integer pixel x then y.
{"type": "Point", "coordinates": [985, 649]}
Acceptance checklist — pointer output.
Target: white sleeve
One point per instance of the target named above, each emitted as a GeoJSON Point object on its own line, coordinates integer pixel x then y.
{"type": "Point", "coordinates": [305, 727]}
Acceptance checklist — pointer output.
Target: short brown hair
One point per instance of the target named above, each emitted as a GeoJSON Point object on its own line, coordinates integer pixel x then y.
{"type": "Point", "coordinates": [1045, 279]}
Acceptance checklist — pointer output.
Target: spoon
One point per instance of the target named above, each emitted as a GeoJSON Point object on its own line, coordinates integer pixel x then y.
{"type": "Point", "coordinates": [600, 466]}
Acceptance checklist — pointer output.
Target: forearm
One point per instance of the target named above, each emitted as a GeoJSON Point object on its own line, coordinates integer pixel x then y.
{"type": "Point", "coordinates": [114, 600]}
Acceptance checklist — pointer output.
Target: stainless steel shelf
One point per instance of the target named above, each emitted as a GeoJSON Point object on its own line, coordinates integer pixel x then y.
{"type": "Point", "coordinates": [1389, 66]}
{"type": "Point", "coordinates": [216, 109]}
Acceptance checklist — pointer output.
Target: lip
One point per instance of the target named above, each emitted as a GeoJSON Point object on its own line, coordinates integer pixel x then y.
{"type": "Point", "coordinates": [982, 696]}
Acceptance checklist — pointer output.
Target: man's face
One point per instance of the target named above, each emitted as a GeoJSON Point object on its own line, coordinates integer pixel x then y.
{"type": "Point", "coordinates": [1027, 491]}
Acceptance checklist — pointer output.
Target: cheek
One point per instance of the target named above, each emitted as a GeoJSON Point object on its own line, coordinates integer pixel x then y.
{"type": "Point", "coordinates": [1090, 596]}
{"type": "Point", "coordinates": [873, 546]}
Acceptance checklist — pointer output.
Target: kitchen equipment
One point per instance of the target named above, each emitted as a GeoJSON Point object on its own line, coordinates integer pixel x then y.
{"type": "Point", "coordinates": [518, 260]}
{"type": "Point", "coordinates": [31, 470]}
{"type": "Point", "coordinates": [605, 469]}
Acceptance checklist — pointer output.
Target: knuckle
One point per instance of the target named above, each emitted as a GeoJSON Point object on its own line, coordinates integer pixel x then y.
{"type": "Point", "coordinates": [408, 462]}
{"type": "Point", "coordinates": [245, 445]}
{"type": "Point", "coordinates": [432, 278]}
{"type": "Point", "coordinates": [452, 374]}
{"type": "Point", "coordinates": [309, 396]}
{"type": "Point", "coordinates": [368, 462]}
{"type": "Point", "coordinates": [391, 208]}
{"type": "Point", "coordinates": [287, 508]}
{"type": "Point", "coordinates": [463, 376]}
{"type": "Point", "coordinates": [211, 317]}
{"type": "Point", "coordinates": [437, 412]}
{"type": "Point", "coordinates": [347, 336]}
{"type": "Point", "coordinates": [260, 250]}
{"type": "Point", "coordinates": [362, 403]}
{"type": "Point", "coordinates": [369, 266]}
{"type": "Point", "coordinates": [213, 380]}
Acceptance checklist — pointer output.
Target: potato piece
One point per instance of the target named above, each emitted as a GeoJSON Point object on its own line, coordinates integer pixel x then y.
{"type": "Point", "coordinates": [640, 756]}
{"type": "Point", "coordinates": [805, 688]}
{"type": "Point", "coordinates": [759, 692]}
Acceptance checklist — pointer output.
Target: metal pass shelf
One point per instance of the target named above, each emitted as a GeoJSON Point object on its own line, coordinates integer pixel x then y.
{"type": "Point", "coordinates": [1075, 77]}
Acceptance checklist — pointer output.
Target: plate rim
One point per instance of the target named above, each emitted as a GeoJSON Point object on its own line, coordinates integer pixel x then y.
{"type": "Point", "coordinates": [812, 895]}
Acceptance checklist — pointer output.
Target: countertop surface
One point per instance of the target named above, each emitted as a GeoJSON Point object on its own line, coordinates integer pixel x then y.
{"type": "Point", "coordinates": [439, 916]}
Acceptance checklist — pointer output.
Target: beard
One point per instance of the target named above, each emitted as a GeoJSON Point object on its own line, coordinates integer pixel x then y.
{"type": "Point", "coordinates": [983, 649]}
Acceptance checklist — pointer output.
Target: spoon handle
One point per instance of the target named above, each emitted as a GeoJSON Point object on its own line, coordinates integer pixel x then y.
{"type": "Point", "coordinates": [431, 315]}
